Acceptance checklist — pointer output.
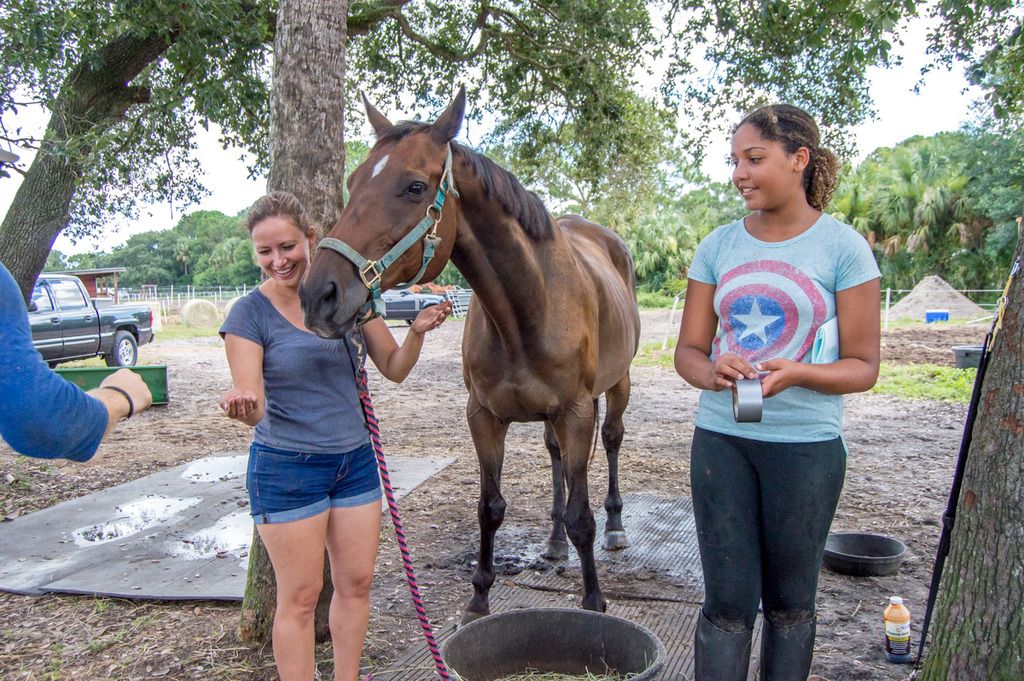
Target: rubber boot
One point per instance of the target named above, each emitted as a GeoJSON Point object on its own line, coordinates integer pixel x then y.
{"type": "Point", "coordinates": [720, 655]}
{"type": "Point", "coordinates": [786, 652]}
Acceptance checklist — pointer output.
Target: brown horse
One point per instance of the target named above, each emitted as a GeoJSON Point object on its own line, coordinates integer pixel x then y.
{"type": "Point", "coordinates": [552, 325]}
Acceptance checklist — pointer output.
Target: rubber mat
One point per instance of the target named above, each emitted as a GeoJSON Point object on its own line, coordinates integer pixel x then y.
{"type": "Point", "coordinates": [662, 560]}
{"type": "Point", "coordinates": [663, 591]}
{"type": "Point", "coordinates": [182, 533]}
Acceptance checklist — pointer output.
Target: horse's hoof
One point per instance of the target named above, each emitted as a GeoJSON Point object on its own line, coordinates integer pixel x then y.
{"type": "Point", "coordinates": [615, 540]}
{"type": "Point", "coordinates": [595, 603]}
{"type": "Point", "coordinates": [469, 616]}
{"type": "Point", "coordinates": [556, 550]}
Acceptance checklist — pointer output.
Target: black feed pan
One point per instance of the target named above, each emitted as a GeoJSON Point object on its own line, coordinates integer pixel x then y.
{"type": "Point", "coordinates": [553, 640]}
{"type": "Point", "coordinates": [863, 555]}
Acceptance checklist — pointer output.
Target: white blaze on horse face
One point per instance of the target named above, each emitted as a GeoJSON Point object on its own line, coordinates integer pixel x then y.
{"type": "Point", "coordinates": [380, 165]}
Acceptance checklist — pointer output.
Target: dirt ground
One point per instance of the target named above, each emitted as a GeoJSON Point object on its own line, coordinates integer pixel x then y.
{"type": "Point", "coordinates": [902, 455]}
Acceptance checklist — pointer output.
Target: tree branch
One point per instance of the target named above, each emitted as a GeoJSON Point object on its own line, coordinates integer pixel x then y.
{"type": "Point", "coordinates": [26, 142]}
{"type": "Point", "coordinates": [363, 16]}
{"type": "Point", "coordinates": [439, 50]}
{"type": "Point", "coordinates": [528, 33]}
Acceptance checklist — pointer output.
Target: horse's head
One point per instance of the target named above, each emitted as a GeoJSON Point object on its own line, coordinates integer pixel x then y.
{"type": "Point", "coordinates": [400, 211]}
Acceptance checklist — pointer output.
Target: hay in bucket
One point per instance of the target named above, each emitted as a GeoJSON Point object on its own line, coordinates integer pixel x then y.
{"type": "Point", "coordinates": [535, 675]}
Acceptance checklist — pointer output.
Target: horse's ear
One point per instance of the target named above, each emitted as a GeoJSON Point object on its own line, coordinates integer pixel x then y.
{"type": "Point", "coordinates": [447, 125]}
{"type": "Point", "coordinates": [378, 120]}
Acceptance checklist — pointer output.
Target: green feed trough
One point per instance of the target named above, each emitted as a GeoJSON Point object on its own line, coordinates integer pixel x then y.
{"type": "Point", "coordinates": [88, 378]}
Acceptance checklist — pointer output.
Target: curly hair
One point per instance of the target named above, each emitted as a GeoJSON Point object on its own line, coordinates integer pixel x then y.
{"type": "Point", "coordinates": [794, 128]}
{"type": "Point", "coordinates": [280, 204]}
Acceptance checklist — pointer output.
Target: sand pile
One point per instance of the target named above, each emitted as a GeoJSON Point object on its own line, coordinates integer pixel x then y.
{"type": "Point", "coordinates": [933, 293]}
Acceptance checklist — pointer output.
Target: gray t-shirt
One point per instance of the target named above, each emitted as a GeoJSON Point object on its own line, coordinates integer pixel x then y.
{"type": "Point", "coordinates": [312, 401]}
{"type": "Point", "coordinates": [770, 298]}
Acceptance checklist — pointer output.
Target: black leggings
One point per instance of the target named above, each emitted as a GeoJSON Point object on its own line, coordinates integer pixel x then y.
{"type": "Point", "coordinates": [763, 511]}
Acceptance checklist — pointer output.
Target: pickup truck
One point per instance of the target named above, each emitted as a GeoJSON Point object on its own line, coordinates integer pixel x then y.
{"type": "Point", "coordinates": [67, 324]}
{"type": "Point", "coordinates": [404, 305]}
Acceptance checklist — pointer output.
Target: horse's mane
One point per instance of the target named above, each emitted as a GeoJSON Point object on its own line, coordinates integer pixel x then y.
{"type": "Point", "coordinates": [499, 184]}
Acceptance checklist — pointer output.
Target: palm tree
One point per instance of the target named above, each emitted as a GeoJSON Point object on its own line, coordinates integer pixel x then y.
{"type": "Point", "coordinates": [854, 201]}
{"type": "Point", "coordinates": [662, 249]}
{"type": "Point", "coordinates": [183, 254]}
{"type": "Point", "coordinates": [920, 206]}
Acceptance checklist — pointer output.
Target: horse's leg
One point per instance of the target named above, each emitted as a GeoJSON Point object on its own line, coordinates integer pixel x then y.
{"type": "Point", "coordinates": [489, 439]}
{"type": "Point", "coordinates": [574, 428]}
{"type": "Point", "coordinates": [611, 436]}
{"type": "Point", "coordinates": [558, 545]}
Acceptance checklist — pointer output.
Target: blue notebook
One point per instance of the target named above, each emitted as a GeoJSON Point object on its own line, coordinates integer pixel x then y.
{"type": "Point", "coordinates": [826, 343]}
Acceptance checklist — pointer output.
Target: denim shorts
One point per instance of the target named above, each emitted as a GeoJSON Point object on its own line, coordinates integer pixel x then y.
{"type": "Point", "coordinates": [286, 486]}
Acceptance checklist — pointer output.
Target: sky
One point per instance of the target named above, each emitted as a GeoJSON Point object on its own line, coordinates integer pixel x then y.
{"type": "Point", "coordinates": [940, 105]}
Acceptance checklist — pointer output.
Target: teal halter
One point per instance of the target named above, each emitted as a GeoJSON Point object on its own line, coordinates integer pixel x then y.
{"type": "Point", "coordinates": [371, 271]}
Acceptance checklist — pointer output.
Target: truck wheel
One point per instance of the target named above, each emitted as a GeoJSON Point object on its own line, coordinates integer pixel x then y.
{"type": "Point", "coordinates": [125, 351]}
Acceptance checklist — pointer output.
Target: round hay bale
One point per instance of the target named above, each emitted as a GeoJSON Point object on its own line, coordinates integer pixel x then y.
{"type": "Point", "coordinates": [230, 304]}
{"type": "Point", "coordinates": [199, 313]}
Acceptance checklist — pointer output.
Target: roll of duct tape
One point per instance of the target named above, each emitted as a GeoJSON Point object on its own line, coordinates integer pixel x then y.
{"type": "Point", "coordinates": [747, 403]}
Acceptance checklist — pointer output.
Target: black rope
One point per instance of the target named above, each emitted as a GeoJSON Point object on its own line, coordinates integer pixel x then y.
{"type": "Point", "coordinates": [949, 517]}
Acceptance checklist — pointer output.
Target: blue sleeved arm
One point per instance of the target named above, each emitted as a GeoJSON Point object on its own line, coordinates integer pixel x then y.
{"type": "Point", "coordinates": [41, 414]}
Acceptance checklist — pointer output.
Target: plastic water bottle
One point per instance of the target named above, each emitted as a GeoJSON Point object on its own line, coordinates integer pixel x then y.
{"type": "Point", "coordinates": [897, 631]}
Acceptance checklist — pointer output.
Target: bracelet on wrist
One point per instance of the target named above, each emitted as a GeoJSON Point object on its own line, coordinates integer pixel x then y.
{"type": "Point", "coordinates": [131, 404]}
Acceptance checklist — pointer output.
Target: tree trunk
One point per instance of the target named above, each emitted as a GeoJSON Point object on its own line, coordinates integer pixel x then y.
{"type": "Point", "coordinates": [36, 216]}
{"type": "Point", "coordinates": [978, 618]}
{"type": "Point", "coordinates": [307, 158]}
{"type": "Point", "coordinates": [93, 100]}
{"type": "Point", "coordinates": [307, 151]}
{"type": "Point", "coordinates": [258, 604]}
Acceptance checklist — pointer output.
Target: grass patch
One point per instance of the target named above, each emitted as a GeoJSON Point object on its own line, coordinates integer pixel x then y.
{"type": "Point", "coordinates": [925, 382]}
{"type": "Point", "coordinates": [98, 645]}
{"type": "Point", "coordinates": [905, 381]}
{"type": "Point", "coordinates": [91, 362]}
{"type": "Point", "coordinates": [144, 621]}
{"type": "Point", "coordinates": [651, 355]}
{"type": "Point", "coordinates": [167, 332]}
{"type": "Point", "coordinates": [55, 665]}
{"type": "Point", "coordinates": [175, 332]}
{"type": "Point", "coordinates": [652, 300]}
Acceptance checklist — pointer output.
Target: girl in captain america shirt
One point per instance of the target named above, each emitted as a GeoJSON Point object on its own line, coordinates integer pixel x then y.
{"type": "Point", "coordinates": [764, 493]}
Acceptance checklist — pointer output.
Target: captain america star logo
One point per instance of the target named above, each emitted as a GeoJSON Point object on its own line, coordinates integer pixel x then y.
{"type": "Point", "coordinates": [767, 309]}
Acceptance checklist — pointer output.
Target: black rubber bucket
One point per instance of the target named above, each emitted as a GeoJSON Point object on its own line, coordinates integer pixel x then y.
{"type": "Point", "coordinates": [863, 555]}
{"type": "Point", "coordinates": [552, 640]}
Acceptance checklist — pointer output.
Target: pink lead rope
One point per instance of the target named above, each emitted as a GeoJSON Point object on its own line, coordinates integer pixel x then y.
{"type": "Point", "coordinates": [389, 493]}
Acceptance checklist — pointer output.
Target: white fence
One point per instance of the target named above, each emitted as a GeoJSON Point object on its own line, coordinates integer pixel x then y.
{"type": "Point", "coordinates": [460, 298]}
{"type": "Point", "coordinates": [171, 298]}
{"type": "Point", "coordinates": [890, 297]}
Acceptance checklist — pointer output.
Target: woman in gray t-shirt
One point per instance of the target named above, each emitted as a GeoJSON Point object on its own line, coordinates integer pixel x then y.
{"type": "Point", "coordinates": [312, 475]}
